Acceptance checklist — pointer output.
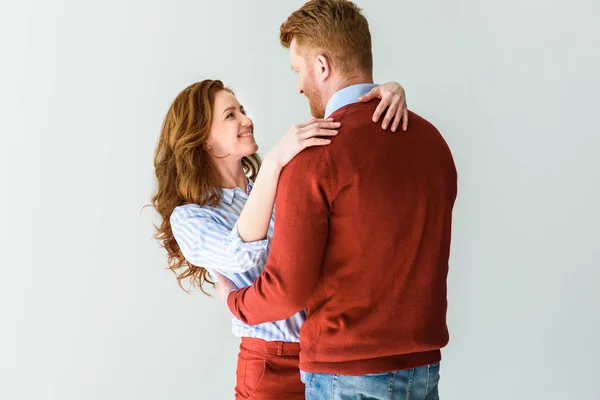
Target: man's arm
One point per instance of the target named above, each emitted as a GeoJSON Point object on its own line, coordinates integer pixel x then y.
{"type": "Point", "coordinates": [304, 199]}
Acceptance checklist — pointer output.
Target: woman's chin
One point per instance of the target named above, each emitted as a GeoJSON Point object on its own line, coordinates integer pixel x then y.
{"type": "Point", "coordinates": [254, 147]}
{"type": "Point", "coordinates": [249, 149]}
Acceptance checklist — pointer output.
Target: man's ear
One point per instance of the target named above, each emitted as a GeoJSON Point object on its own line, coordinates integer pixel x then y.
{"type": "Point", "coordinates": [322, 68]}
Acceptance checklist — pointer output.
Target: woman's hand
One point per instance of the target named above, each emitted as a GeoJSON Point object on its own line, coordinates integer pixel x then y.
{"type": "Point", "coordinates": [393, 98]}
{"type": "Point", "coordinates": [223, 286]}
{"type": "Point", "coordinates": [301, 136]}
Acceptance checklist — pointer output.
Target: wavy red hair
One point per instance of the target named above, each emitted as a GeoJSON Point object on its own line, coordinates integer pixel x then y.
{"type": "Point", "coordinates": [185, 173]}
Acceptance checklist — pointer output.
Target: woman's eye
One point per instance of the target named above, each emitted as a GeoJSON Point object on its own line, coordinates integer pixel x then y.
{"type": "Point", "coordinates": [229, 115]}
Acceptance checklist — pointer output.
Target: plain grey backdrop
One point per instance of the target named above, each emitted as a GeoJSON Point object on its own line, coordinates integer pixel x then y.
{"type": "Point", "coordinates": [88, 310]}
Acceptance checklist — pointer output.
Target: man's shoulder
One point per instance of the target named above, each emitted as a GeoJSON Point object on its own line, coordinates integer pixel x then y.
{"type": "Point", "coordinates": [312, 164]}
{"type": "Point", "coordinates": [308, 161]}
{"type": "Point", "coordinates": [360, 114]}
{"type": "Point", "coordinates": [419, 120]}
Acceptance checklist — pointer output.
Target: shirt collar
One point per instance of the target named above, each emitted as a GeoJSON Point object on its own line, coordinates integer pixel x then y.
{"type": "Point", "coordinates": [229, 194]}
{"type": "Point", "coordinates": [347, 95]}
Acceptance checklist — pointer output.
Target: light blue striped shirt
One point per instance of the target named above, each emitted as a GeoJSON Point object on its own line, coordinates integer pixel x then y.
{"type": "Point", "coordinates": [208, 237]}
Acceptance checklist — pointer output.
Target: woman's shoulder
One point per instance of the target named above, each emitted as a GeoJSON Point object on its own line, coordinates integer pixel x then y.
{"type": "Point", "coordinates": [186, 211]}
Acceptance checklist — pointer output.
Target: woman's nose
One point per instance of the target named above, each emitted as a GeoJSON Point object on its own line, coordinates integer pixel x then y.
{"type": "Point", "coordinates": [246, 121]}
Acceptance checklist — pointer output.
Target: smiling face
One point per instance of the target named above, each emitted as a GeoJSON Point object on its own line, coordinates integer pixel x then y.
{"type": "Point", "coordinates": [231, 131]}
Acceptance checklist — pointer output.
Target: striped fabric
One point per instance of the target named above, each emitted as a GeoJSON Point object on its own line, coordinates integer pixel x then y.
{"type": "Point", "coordinates": [208, 237]}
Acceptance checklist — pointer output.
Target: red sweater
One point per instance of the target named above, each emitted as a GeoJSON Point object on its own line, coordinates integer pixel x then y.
{"type": "Point", "coordinates": [361, 240]}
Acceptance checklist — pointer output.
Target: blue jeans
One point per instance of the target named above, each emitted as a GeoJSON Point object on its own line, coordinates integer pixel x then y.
{"type": "Point", "coordinates": [410, 384]}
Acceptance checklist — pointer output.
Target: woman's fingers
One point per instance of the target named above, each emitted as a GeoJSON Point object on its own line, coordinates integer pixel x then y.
{"type": "Point", "coordinates": [313, 121]}
{"type": "Point", "coordinates": [319, 125]}
{"type": "Point", "coordinates": [373, 94]}
{"type": "Point", "coordinates": [383, 104]}
{"type": "Point", "coordinates": [316, 142]}
{"type": "Point", "coordinates": [316, 132]}
{"type": "Point", "coordinates": [397, 119]}
{"type": "Point", "coordinates": [391, 112]}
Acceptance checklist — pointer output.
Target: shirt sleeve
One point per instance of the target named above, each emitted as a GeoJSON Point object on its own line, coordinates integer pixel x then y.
{"type": "Point", "coordinates": [304, 201]}
{"type": "Point", "coordinates": [206, 242]}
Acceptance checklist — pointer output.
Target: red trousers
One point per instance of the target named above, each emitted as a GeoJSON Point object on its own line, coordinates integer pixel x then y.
{"type": "Point", "coordinates": [268, 371]}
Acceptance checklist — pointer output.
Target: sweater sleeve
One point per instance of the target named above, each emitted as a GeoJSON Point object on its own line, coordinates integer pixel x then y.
{"type": "Point", "coordinates": [304, 200]}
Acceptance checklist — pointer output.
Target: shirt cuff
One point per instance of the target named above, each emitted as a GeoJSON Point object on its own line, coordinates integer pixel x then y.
{"type": "Point", "coordinates": [236, 243]}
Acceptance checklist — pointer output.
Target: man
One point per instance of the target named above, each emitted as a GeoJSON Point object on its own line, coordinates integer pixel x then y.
{"type": "Point", "coordinates": [362, 231]}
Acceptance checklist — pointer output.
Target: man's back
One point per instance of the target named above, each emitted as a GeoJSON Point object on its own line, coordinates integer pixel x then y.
{"type": "Point", "coordinates": [380, 301]}
{"type": "Point", "coordinates": [361, 239]}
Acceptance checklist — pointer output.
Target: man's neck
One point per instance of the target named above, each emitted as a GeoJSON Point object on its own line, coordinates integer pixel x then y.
{"type": "Point", "coordinates": [342, 82]}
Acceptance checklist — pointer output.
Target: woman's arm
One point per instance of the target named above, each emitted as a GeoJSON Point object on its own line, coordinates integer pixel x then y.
{"type": "Point", "coordinates": [254, 220]}
{"type": "Point", "coordinates": [206, 240]}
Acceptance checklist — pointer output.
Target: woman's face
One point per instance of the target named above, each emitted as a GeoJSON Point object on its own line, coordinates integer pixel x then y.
{"type": "Point", "coordinates": [231, 131]}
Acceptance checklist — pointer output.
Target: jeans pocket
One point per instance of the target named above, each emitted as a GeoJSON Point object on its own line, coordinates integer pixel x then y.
{"type": "Point", "coordinates": [433, 380]}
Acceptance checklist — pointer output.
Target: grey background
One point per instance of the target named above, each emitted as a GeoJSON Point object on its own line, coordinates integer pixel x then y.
{"type": "Point", "coordinates": [88, 310]}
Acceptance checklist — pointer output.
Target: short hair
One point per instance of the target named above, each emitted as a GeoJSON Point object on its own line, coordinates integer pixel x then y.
{"type": "Point", "coordinates": [335, 28]}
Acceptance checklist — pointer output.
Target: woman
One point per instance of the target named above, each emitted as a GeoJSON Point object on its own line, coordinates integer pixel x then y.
{"type": "Point", "coordinates": [218, 213]}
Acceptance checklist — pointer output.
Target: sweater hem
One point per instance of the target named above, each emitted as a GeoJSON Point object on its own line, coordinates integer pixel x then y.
{"type": "Point", "coordinates": [373, 365]}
